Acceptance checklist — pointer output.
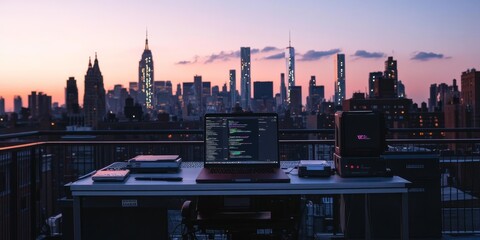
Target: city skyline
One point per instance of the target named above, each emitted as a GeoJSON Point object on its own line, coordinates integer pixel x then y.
{"type": "Point", "coordinates": [44, 44]}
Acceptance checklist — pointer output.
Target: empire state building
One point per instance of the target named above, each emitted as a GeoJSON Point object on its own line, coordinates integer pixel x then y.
{"type": "Point", "coordinates": [145, 78]}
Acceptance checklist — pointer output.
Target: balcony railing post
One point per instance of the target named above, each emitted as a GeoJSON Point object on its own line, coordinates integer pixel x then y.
{"type": "Point", "coordinates": [33, 193]}
{"type": "Point", "coordinates": [14, 211]}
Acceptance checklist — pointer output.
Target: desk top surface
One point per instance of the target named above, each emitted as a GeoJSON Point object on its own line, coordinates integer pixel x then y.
{"type": "Point", "coordinates": [188, 186]}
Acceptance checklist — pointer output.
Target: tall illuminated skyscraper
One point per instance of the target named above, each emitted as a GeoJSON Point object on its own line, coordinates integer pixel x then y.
{"type": "Point", "coordinates": [233, 87]}
{"type": "Point", "coordinates": [339, 65]}
{"type": "Point", "coordinates": [246, 87]}
{"type": "Point", "coordinates": [290, 61]}
{"type": "Point", "coordinates": [145, 78]}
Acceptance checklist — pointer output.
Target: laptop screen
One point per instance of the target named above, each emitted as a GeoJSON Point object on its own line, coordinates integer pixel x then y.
{"type": "Point", "coordinates": [241, 139]}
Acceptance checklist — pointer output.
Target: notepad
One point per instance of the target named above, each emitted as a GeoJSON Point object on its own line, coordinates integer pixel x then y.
{"type": "Point", "coordinates": [111, 175]}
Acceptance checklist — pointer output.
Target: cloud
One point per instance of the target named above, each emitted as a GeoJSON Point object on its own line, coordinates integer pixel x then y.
{"type": "Point", "coordinates": [269, 49]}
{"type": "Point", "coordinates": [275, 56]}
{"type": "Point", "coordinates": [254, 50]}
{"type": "Point", "coordinates": [365, 54]}
{"type": "Point", "coordinates": [426, 56]}
{"type": "Point", "coordinates": [186, 62]}
{"type": "Point", "coordinates": [313, 55]}
{"type": "Point", "coordinates": [222, 56]}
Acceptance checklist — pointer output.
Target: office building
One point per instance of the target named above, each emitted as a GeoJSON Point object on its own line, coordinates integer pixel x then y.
{"type": "Point", "coordinates": [245, 78]}
{"type": "Point", "coordinates": [470, 85]}
{"type": "Point", "coordinates": [94, 98]}
{"type": "Point", "coordinates": [372, 78]}
{"type": "Point", "coordinates": [384, 88]}
{"type": "Point", "coordinates": [71, 96]}
{"type": "Point", "coordinates": [290, 62]}
{"type": "Point", "coordinates": [283, 90]}
{"type": "Point", "coordinates": [233, 87]}
{"type": "Point", "coordinates": [17, 104]}
{"type": "Point", "coordinates": [391, 73]}
{"type": "Point", "coordinates": [339, 74]}
{"type": "Point", "coordinates": [116, 99]}
{"type": "Point", "coordinates": [198, 93]}
{"type": "Point", "coordinates": [401, 89]}
{"type": "Point", "coordinates": [2, 105]}
{"type": "Point", "coordinates": [296, 100]}
{"type": "Point", "coordinates": [262, 90]}
{"type": "Point", "coordinates": [145, 78]}
{"type": "Point", "coordinates": [40, 105]}
{"type": "Point", "coordinates": [316, 95]}
{"type": "Point", "coordinates": [432, 100]}
{"type": "Point", "coordinates": [133, 90]}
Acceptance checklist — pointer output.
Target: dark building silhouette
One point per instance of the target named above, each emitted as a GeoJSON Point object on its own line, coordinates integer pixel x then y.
{"type": "Point", "coordinates": [133, 111]}
{"type": "Point", "coordinates": [17, 104]}
{"type": "Point", "coordinates": [283, 90]}
{"type": "Point", "coordinates": [233, 87]}
{"type": "Point", "coordinates": [396, 110]}
{"type": "Point", "coordinates": [145, 95]}
{"type": "Point", "coordinates": [2, 105]}
{"type": "Point", "coordinates": [40, 106]}
{"type": "Point", "coordinates": [384, 88]}
{"type": "Point", "coordinates": [263, 90]}
{"type": "Point", "coordinates": [316, 95]}
{"type": "Point", "coordinates": [373, 77]}
{"type": "Point", "coordinates": [391, 73]}
{"type": "Point", "coordinates": [71, 96]}
{"type": "Point", "coordinates": [296, 100]}
{"type": "Point", "coordinates": [94, 99]}
{"type": "Point", "coordinates": [470, 85]}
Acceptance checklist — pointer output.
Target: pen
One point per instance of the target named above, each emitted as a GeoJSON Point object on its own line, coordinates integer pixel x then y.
{"type": "Point", "coordinates": [172, 179]}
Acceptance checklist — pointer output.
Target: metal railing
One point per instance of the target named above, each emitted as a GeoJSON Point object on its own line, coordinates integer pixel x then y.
{"type": "Point", "coordinates": [35, 166]}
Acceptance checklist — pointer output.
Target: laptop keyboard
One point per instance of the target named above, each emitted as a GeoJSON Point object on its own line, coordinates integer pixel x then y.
{"type": "Point", "coordinates": [219, 170]}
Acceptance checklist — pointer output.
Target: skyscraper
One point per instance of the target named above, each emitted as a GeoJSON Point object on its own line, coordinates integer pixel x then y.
{"type": "Point", "coordinates": [283, 89]}
{"type": "Point", "coordinates": [296, 100]}
{"type": "Point", "coordinates": [339, 66]}
{"type": "Point", "coordinates": [2, 105]}
{"type": "Point", "coordinates": [145, 78]}
{"type": "Point", "coordinates": [233, 87]}
{"type": "Point", "coordinates": [391, 72]}
{"type": "Point", "coordinates": [17, 104]}
{"type": "Point", "coordinates": [316, 95]}
{"type": "Point", "coordinates": [71, 96]}
{"type": "Point", "coordinates": [470, 85]}
{"type": "Point", "coordinates": [290, 61]}
{"type": "Point", "coordinates": [40, 105]}
{"type": "Point", "coordinates": [246, 87]}
{"type": "Point", "coordinates": [94, 98]}
{"type": "Point", "coordinates": [373, 77]}
{"type": "Point", "coordinates": [198, 92]}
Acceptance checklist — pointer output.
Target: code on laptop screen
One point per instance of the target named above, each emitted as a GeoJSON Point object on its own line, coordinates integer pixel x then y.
{"type": "Point", "coordinates": [241, 139]}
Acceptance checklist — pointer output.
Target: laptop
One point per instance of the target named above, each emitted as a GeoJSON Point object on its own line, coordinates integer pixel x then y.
{"type": "Point", "coordinates": [241, 148]}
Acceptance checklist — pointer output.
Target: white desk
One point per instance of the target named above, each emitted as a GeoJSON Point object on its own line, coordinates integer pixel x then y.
{"type": "Point", "coordinates": [188, 187]}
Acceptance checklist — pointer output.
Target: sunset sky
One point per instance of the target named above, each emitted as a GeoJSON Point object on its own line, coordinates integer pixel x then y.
{"type": "Point", "coordinates": [43, 43]}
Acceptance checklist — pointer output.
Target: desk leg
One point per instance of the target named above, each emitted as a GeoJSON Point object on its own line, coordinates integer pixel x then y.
{"type": "Point", "coordinates": [76, 219]}
{"type": "Point", "coordinates": [368, 234]}
{"type": "Point", "coordinates": [404, 225]}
